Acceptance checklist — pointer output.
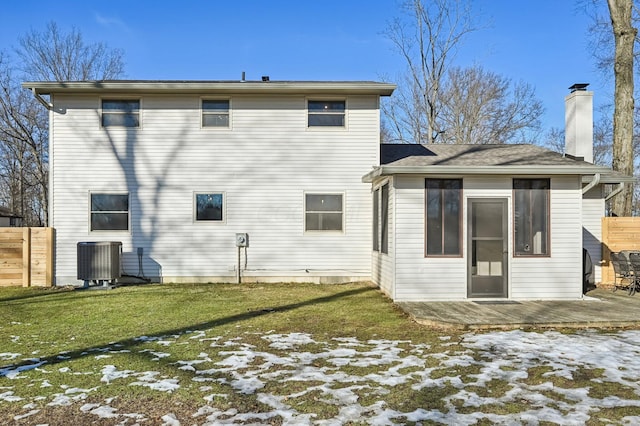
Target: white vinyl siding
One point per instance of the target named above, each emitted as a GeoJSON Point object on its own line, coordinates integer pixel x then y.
{"type": "Point", "coordinates": [560, 275]}
{"type": "Point", "coordinates": [593, 210]}
{"type": "Point", "coordinates": [417, 277]}
{"type": "Point", "coordinates": [264, 167]}
{"type": "Point", "coordinates": [383, 265]}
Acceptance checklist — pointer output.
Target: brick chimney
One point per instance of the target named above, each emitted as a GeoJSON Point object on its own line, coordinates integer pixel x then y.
{"type": "Point", "coordinates": [578, 119]}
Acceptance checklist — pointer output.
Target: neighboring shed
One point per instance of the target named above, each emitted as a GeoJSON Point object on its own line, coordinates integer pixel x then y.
{"type": "Point", "coordinates": [8, 218]}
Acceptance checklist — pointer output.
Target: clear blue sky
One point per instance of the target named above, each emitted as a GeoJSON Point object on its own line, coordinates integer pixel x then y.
{"type": "Point", "coordinates": [541, 42]}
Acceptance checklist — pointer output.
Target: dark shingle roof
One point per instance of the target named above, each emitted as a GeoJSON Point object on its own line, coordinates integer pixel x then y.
{"type": "Point", "coordinates": [487, 159]}
{"type": "Point", "coordinates": [473, 155]}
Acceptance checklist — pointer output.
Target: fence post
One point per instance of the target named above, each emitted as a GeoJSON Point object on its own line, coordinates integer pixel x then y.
{"type": "Point", "coordinates": [606, 252]}
{"type": "Point", "coordinates": [49, 257]}
{"type": "Point", "coordinates": [26, 257]}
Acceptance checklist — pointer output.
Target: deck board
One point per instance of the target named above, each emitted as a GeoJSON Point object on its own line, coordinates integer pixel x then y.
{"type": "Point", "coordinates": [599, 309]}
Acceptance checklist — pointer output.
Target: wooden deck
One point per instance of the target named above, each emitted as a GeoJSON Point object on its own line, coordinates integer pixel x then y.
{"type": "Point", "coordinates": [599, 309]}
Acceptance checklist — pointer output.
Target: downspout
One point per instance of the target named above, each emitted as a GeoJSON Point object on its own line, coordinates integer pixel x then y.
{"type": "Point", "coordinates": [42, 100]}
{"type": "Point", "coordinates": [615, 192]}
{"type": "Point", "coordinates": [592, 184]}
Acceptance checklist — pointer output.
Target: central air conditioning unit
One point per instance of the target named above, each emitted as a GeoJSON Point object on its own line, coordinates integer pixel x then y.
{"type": "Point", "coordinates": [99, 261]}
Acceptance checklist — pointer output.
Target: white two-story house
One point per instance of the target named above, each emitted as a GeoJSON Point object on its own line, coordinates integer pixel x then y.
{"type": "Point", "coordinates": [175, 169]}
{"type": "Point", "coordinates": [218, 181]}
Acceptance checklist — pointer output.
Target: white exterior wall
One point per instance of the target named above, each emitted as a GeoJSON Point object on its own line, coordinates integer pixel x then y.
{"type": "Point", "coordinates": [418, 278]}
{"type": "Point", "coordinates": [593, 210]}
{"type": "Point", "coordinates": [264, 165]}
{"type": "Point", "coordinates": [383, 264]}
{"type": "Point", "coordinates": [558, 276]}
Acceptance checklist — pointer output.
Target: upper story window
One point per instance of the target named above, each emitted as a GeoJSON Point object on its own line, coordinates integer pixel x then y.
{"type": "Point", "coordinates": [215, 113]}
{"type": "Point", "coordinates": [323, 212]}
{"type": "Point", "coordinates": [120, 113]}
{"type": "Point", "coordinates": [326, 113]}
{"type": "Point", "coordinates": [109, 212]}
{"type": "Point", "coordinates": [531, 216]}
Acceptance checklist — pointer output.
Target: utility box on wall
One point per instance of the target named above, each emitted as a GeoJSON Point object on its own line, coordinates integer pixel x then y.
{"type": "Point", "coordinates": [99, 261]}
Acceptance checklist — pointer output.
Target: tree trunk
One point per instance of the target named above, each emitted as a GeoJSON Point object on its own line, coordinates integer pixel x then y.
{"type": "Point", "coordinates": [624, 34]}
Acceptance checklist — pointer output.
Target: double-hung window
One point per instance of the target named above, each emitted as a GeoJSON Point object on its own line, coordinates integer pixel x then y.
{"type": "Point", "coordinates": [109, 212]}
{"type": "Point", "coordinates": [215, 113]}
{"type": "Point", "coordinates": [531, 217]}
{"type": "Point", "coordinates": [209, 207]}
{"type": "Point", "coordinates": [120, 113]}
{"type": "Point", "coordinates": [326, 113]}
{"type": "Point", "coordinates": [444, 217]}
{"type": "Point", "coordinates": [323, 212]}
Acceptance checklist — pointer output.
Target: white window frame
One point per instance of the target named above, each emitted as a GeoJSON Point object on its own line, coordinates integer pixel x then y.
{"type": "Point", "coordinates": [327, 99]}
{"type": "Point", "coordinates": [203, 113]}
{"type": "Point", "coordinates": [112, 112]}
{"type": "Point", "coordinates": [210, 221]}
{"type": "Point", "coordinates": [91, 211]}
{"type": "Point", "coordinates": [324, 231]}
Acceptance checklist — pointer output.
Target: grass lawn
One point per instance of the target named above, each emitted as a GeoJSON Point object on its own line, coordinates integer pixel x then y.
{"type": "Point", "coordinates": [291, 354]}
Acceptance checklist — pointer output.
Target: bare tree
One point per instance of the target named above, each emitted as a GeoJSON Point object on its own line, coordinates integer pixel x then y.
{"type": "Point", "coordinates": [479, 106]}
{"type": "Point", "coordinates": [51, 55]}
{"type": "Point", "coordinates": [24, 149]}
{"type": "Point", "coordinates": [427, 39]}
{"type": "Point", "coordinates": [624, 33]}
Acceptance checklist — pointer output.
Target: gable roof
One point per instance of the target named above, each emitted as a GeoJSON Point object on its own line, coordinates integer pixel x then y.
{"type": "Point", "coordinates": [211, 86]}
{"type": "Point", "coordinates": [520, 159]}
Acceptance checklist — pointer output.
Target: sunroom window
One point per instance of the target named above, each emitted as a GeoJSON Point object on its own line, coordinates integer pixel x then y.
{"type": "Point", "coordinates": [444, 212]}
{"type": "Point", "coordinates": [531, 217]}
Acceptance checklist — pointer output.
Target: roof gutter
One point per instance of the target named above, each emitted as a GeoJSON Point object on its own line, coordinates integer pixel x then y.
{"type": "Point", "coordinates": [615, 192]}
{"type": "Point", "coordinates": [43, 101]}
{"type": "Point", "coordinates": [179, 86]}
{"type": "Point", "coordinates": [479, 170]}
{"type": "Point", "coordinates": [592, 184]}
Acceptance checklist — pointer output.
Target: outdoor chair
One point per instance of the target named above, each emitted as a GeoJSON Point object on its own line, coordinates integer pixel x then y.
{"type": "Point", "coordinates": [621, 268]}
{"type": "Point", "coordinates": [634, 262]}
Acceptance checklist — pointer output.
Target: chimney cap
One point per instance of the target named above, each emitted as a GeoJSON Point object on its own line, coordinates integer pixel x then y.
{"type": "Point", "coordinates": [578, 87]}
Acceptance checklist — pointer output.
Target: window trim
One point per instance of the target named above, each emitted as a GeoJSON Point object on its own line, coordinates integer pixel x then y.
{"type": "Point", "coordinates": [229, 126]}
{"type": "Point", "coordinates": [90, 226]}
{"type": "Point", "coordinates": [195, 207]}
{"type": "Point", "coordinates": [327, 99]}
{"type": "Point", "coordinates": [548, 217]}
{"type": "Point", "coordinates": [121, 99]}
{"type": "Point", "coordinates": [461, 229]}
{"type": "Point", "coordinates": [323, 231]}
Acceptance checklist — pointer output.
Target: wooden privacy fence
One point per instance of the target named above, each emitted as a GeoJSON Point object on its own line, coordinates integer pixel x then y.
{"type": "Point", "coordinates": [26, 257]}
{"type": "Point", "coordinates": [618, 233]}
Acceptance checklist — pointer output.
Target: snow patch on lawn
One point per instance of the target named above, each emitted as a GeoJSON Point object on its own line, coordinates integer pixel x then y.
{"type": "Point", "coordinates": [357, 378]}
